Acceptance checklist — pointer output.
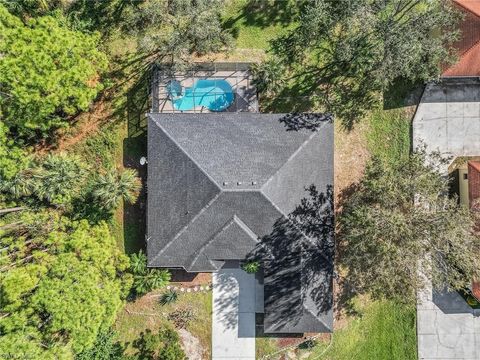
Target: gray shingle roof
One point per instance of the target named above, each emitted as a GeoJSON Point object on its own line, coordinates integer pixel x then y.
{"type": "Point", "coordinates": [234, 148]}
{"type": "Point", "coordinates": [298, 293]}
{"type": "Point", "coordinates": [238, 172]}
{"type": "Point", "coordinates": [220, 182]}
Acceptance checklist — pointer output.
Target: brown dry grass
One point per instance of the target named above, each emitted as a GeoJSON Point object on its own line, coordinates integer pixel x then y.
{"type": "Point", "coordinates": [351, 155]}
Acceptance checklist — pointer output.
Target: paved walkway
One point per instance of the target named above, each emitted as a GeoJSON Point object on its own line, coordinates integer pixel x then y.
{"type": "Point", "coordinates": [448, 120]}
{"type": "Point", "coordinates": [234, 301]}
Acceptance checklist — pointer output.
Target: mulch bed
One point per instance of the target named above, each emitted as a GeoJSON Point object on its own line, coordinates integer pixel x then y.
{"type": "Point", "coordinates": [186, 279]}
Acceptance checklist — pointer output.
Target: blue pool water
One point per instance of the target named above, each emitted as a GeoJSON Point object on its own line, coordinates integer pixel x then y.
{"type": "Point", "coordinates": [216, 95]}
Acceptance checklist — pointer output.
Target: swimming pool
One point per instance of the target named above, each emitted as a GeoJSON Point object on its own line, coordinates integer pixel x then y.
{"type": "Point", "coordinates": [216, 95]}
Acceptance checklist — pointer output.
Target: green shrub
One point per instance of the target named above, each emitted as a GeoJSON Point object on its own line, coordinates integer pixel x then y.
{"type": "Point", "coordinates": [251, 267]}
{"type": "Point", "coordinates": [472, 301]}
{"type": "Point", "coordinates": [145, 279]}
{"type": "Point", "coordinates": [162, 346]}
{"type": "Point", "coordinates": [169, 297]}
{"type": "Point", "coordinates": [308, 344]}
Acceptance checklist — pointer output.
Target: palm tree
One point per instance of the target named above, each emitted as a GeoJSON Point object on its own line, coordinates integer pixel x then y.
{"type": "Point", "coordinates": [113, 187]}
{"type": "Point", "coordinates": [21, 185]}
{"type": "Point", "coordinates": [59, 178]}
{"type": "Point", "coordinates": [158, 278]}
{"type": "Point", "coordinates": [138, 263]}
{"type": "Point", "coordinates": [152, 280]}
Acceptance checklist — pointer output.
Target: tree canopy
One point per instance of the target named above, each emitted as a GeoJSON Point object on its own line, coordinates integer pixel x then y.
{"type": "Point", "coordinates": [400, 224]}
{"type": "Point", "coordinates": [61, 284]}
{"type": "Point", "coordinates": [12, 157]}
{"type": "Point", "coordinates": [48, 73]}
{"type": "Point", "coordinates": [174, 30]}
{"type": "Point", "coordinates": [341, 57]}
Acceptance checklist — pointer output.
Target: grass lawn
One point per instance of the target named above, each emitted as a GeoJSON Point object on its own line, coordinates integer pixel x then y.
{"type": "Point", "coordinates": [148, 313]}
{"type": "Point", "coordinates": [265, 346]}
{"type": "Point", "coordinates": [388, 135]}
{"type": "Point", "coordinates": [382, 330]}
{"type": "Point", "coordinates": [254, 24]}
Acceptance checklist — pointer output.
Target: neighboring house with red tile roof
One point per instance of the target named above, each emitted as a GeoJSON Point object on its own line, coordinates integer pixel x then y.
{"type": "Point", "coordinates": [473, 202]}
{"type": "Point", "coordinates": [468, 46]}
{"type": "Point", "coordinates": [473, 184]}
{"type": "Point", "coordinates": [476, 289]}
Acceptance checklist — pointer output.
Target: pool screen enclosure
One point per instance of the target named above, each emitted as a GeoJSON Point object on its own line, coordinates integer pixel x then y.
{"type": "Point", "coordinates": [204, 87]}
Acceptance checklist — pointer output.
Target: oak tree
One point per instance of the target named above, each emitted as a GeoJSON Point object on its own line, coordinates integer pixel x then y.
{"type": "Point", "coordinates": [400, 224]}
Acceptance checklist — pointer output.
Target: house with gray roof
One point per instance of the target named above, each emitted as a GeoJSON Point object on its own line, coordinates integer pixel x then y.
{"type": "Point", "coordinates": [221, 186]}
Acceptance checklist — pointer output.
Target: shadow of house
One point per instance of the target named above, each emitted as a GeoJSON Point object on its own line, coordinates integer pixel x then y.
{"type": "Point", "coordinates": [297, 258]}
{"type": "Point", "coordinates": [134, 215]}
{"type": "Point", "coordinates": [450, 302]}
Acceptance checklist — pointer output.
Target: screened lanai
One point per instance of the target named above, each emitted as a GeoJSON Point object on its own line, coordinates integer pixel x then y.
{"type": "Point", "coordinates": [204, 88]}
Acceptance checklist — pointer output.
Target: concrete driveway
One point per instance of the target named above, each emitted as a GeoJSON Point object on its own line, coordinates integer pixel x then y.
{"type": "Point", "coordinates": [233, 322]}
{"type": "Point", "coordinates": [447, 327]}
{"type": "Point", "coordinates": [448, 120]}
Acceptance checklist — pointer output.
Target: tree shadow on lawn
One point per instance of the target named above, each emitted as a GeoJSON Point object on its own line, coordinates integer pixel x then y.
{"type": "Point", "coordinates": [402, 93]}
{"type": "Point", "coordinates": [101, 15]}
{"type": "Point", "coordinates": [346, 290]}
{"type": "Point", "coordinates": [134, 147]}
{"type": "Point", "coordinates": [290, 99]}
{"type": "Point", "coordinates": [262, 14]}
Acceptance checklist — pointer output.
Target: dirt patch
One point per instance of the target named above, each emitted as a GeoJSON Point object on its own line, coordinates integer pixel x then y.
{"type": "Point", "coordinates": [144, 304]}
{"type": "Point", "coordinates": [191, 345]}
{"type": "Point", "coordinates": [351, 155]}
{"type": "Point", "coordinates": [84, 125]}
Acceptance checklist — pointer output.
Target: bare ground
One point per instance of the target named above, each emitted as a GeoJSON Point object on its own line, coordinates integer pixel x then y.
{"type": "Point", "coordinates": [351, 155]}
{"type": "Point", "coordinates": [191, 345]}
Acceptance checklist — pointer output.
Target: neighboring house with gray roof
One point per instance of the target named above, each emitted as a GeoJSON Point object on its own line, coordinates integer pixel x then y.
{"type": "Point", "coordinates": [219, 183]}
